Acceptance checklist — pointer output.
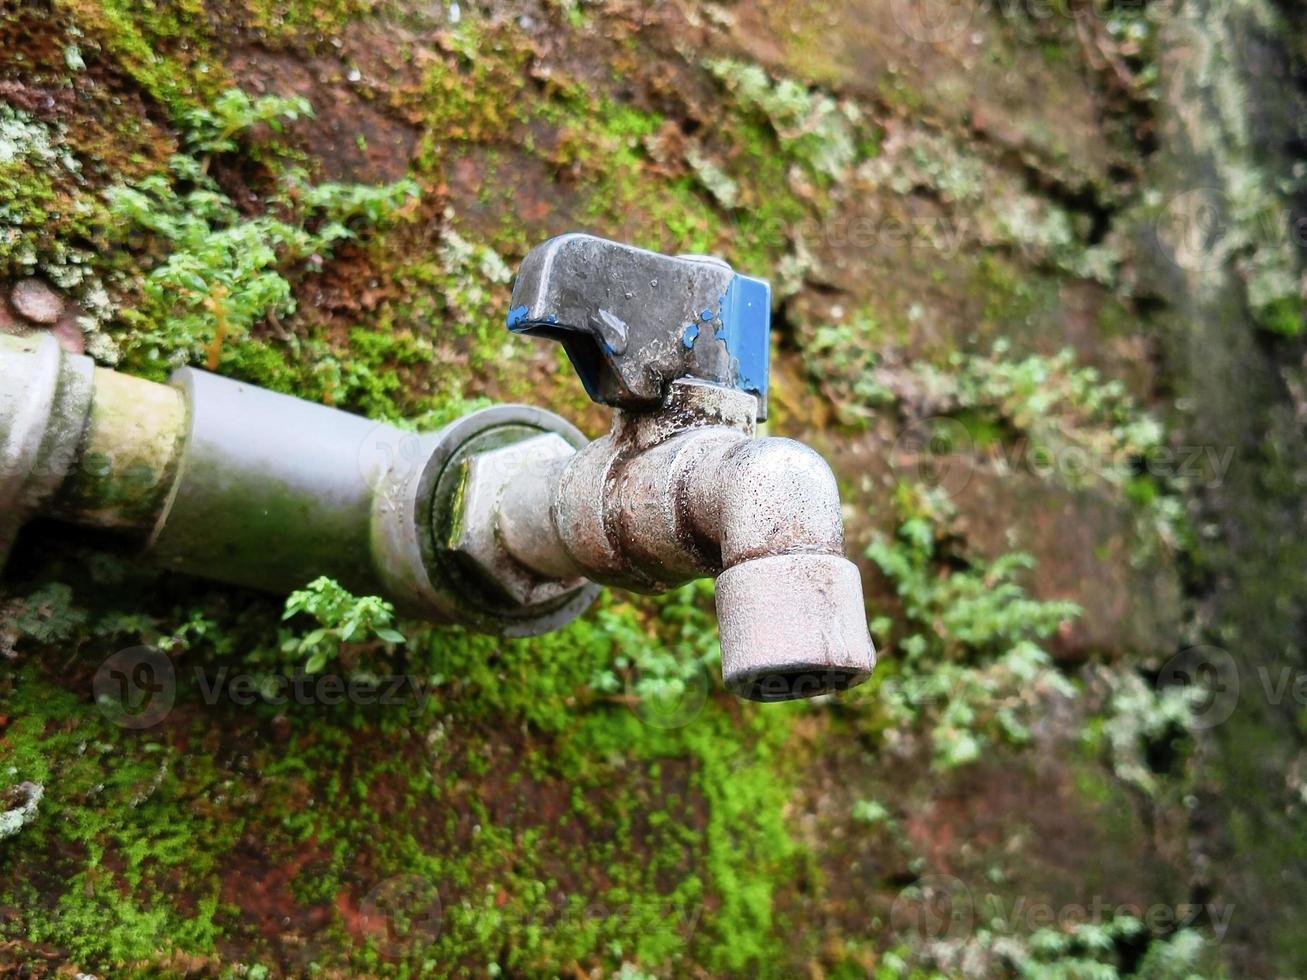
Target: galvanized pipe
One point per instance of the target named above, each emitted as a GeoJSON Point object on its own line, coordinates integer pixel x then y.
{"type": "Point", "coordinates": [270, 487]}
{"type": "Point", "coordinates": [44, 400]}
{"type": "Point", "coordinates": [128, 454]}
{"type": "Point", "coordinates": [228, 481]}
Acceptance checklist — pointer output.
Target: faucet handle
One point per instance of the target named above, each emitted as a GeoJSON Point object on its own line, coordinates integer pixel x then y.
{"type": "Point", "coordinates": [633, 321]}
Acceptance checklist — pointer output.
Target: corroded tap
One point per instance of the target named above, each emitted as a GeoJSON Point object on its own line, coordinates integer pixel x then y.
{"type": "Point", "coordinates": [680, 488]}
{"type": "Point", "coordinates": [506, 520]}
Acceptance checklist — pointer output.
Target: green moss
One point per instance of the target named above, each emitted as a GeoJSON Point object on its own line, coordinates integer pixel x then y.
{"type": "Point", "coordinates": [472, 96]}
{"type": "Point", "coordinates": [226, 271]}
{"type": "Point", "coordinates": [813, 128]}
{"type": "Point", "coordinates": [563, 832]}
{"type": "Point", "coordinates": [1284, 316]}
{"type": "Point", "coordinates": [301, 21]}
{"type": "Point", "coordinates": [41, 207]}
{"type": "Point", "coordinates": [109, 811]}
{"type": "Point", "coordinates": [652, 827]}
{"type": "Point", "coordinates": [970, 649]}
{"type": "Point", "coordinates": [164, 46]}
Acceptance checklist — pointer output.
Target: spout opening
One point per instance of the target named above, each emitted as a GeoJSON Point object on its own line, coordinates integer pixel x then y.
{"type": "Point", "coordinates": [794, 682]}
{"type": "Point", "coordinates": [793, 626]}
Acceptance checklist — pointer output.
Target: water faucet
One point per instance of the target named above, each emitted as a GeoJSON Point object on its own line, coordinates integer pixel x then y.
{"type": "Point", "coordinates": [506, 520]}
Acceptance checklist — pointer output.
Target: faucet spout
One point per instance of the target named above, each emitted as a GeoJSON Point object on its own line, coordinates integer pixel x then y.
{"type": "Point", "coordinates": [680, 488]}
{"type": "Point", "coordinates": [790, 606]}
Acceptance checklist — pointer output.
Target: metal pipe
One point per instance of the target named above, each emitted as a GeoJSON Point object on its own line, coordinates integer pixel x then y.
{"type": "Point", "coordinates": [128, 457]}
{"type": "Point", "coordinates": [45, 397]}
{"type": "Point", "coordinates": [225, 480]}
{"type": "Point", "coordinates": [270, 487]}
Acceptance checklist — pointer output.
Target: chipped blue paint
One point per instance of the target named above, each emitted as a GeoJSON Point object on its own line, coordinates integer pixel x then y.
{"type": "Point", "coordinates": [690, 336]}
{"type": "Point", "coordinates": [746, 332]}
{"type": "Point", "coordinates": [519, 319]}
{"type": "Point", "coordinates": [707, 316]}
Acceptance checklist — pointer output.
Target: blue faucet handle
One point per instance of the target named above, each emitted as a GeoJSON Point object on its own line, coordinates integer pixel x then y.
{"type": "Point", "coordinates": [633, 321]}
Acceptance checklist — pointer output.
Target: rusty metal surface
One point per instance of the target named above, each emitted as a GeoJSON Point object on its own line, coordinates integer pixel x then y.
{"type": "Point", "coordinates": [129, 456]}
{"type": "Point", "coordinates": [505, 520]}
{"type": "Point", "coordinates": [679, 488]}
{"type": "Point", "coordinates": [234, 483]}
{"type": "Point", "coordinates": [793, 626]}
{"type": "Point", "coordinates": [666, 498]}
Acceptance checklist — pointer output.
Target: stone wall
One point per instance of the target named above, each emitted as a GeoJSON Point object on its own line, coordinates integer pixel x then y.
{"type": "Point", "coordinates": [1038, 283]}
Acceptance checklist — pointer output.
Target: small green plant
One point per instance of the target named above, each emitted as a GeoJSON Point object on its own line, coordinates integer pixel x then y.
{"type": "Point", "coordinates": [1092, 950]}
{"type": "Point", "coordinates": [216, 128]}
{"type": "Point", "coordinates": [1140, 716]}
{"type": "Point", "coordinates": [472, 283]}
{"type": "Point", "coordinates": [225, 272]}
{"type": "Point", "coordinates": [811, 126]}
{"type": "Point", "coordinates": [969, 659]}
{"type": "Point", "coordinates": [1054, 403]}
{"type": "Point", "coordinates": [1115, 946]}
{"type": "Point", "coordinates": [49, 615]}
{"type": "Point", "coordinates": [841, 360]}
{"type": "Point", "coordinates": [663, 660]}
{"type": "Point", "coordinates": [344, 620]}
{"type": "Point", "coordinates": [870, 812]}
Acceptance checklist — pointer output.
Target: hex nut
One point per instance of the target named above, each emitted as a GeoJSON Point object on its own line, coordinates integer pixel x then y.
{"type": "Point", "coordinates": [475, 532]}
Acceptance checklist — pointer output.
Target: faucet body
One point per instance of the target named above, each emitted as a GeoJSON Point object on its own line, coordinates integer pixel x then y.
{"type": "Point", "coordinates": [506, 520]}
{"type": "Point", "coordinates": [688, 492]}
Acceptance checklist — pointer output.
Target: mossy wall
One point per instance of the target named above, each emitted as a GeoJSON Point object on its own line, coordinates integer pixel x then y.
{"type": "Point", "coordinates": [1038, 299]}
